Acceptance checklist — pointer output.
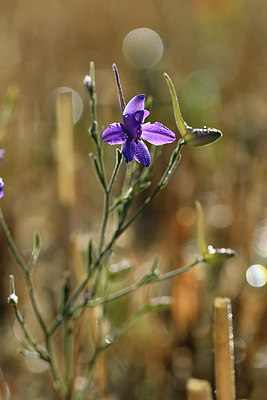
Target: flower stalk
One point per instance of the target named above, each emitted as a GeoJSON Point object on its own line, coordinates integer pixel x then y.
{"type": "Point", "coordinates": [93, 290]}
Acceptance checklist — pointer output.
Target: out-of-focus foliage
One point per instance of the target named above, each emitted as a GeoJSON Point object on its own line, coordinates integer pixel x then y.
{"type": "Point", "coordinates": [216, 54]}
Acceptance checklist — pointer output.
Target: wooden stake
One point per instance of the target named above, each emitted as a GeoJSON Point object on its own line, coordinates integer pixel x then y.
{"type": "Point", "coordinates": [65, 153]}
{"type": "Point", "coordinates": [224, 349]}
{"type": "Point", "coordinates": [198, 390]}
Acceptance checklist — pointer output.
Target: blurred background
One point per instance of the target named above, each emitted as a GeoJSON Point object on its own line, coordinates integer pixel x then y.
{"type": "Point", "coordinates": [216, 54]}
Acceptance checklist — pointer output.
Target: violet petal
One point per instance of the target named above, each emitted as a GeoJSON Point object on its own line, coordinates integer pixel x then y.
{"type": "Point", "coordinates": [157, 133]}
{"type": "Point", "coordinates": [128, 150]}
{"type": "Point", "coordinates": [133, 124]}
{"type": "Point", "coordinates": [142, 154]}
{"type": "Point", "coordinates": [115, 134]}
{"type": "Point", "coordinates": [146, 114]}
{"type": "Point", "coordinates": [137, 103]}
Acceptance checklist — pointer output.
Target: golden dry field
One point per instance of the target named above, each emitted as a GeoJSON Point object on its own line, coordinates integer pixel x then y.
{"type": "Point", "coordinates": [215, 52]}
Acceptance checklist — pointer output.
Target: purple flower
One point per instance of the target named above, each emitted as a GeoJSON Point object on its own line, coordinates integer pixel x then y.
{"type": "Point", "coordinates": [1, 188]}
{"type": "Point", "coordinates": [2, 151]}
{"type": "Point", "coordinates": [133, 130]}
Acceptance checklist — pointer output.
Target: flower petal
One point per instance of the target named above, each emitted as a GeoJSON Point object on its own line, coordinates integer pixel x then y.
{"type": "Point", "coordinates": [146, 114]}
{"type": "Point", "coordinates": [157, 133]}
{"type": "Point", "coordinates": [128, 150]}
{"type": "Point", "coordinates": [142, 154]}
{"type": "Point", "coordinates": [137, 103]}
{"type": "Point", "coordinates": [115, 134]}
{"type": "Point", "coordinates": [133, 124]}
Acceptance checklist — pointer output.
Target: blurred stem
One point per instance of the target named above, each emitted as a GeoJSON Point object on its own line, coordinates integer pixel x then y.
{"type": "Point", "coordinates": [67, 340]}
{"type": "Point", "coordinates": [28, 336]}
{"type": "Point", "coordinates": [17, 256]}
{"type": "Point", "coordinates": [113, 337]}
{"type": "Point", "coordinates": [13, 248]}
{"type": "Point", "coordinates": [94, 126]}
{"type": "Point", "coordinates": [146, 280]}
{"type": "Point", "coordinates": [124, 327]}
{"type": "Point", "coordinates": [107, 198]}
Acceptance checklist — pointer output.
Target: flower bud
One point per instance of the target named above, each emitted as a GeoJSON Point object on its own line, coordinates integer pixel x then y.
{"type": "Point", "coordinates": [12, 298]}
{"type": "Point", "coordinates": [88, 84]}
{"type": "Point", "coordinates": [201, 137]}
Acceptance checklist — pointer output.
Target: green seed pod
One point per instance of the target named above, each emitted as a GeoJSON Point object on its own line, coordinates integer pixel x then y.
{"type": "Point", "coordinates": [201, 137]}
{"type": "Point", "coordinates": [218, 256]}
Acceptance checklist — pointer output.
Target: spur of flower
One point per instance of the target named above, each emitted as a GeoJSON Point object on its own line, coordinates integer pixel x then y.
{"type": "Point", "coordinates": [133, 131]}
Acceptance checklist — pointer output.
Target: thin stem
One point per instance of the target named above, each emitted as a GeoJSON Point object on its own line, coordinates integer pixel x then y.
{"type": "Point", "coordinates": [28, 337]}
{"type": "Point", "coordinates": [147, 279]}
{"type": "Point", "coordinates": [105, 220]}
{"type": "Point", "coordinates": [34, 303]}
{"type": "Point", "coordinates": [108, 341]}
{"type": "Point", "coordinates": [14, 250]}
{"type": "Point", "coordinates": [57, 380]}
{"type": "Point", "coordinates": [16, 254]}
{"type": "Point", "coordinates": [67, 355]}
{"type": "Point", "coordinates": [107, 197]}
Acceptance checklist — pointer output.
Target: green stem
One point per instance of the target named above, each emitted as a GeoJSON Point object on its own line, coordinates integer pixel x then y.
{"type": "Point", "coordinates": [28, 337]}
{"type": "Point", "coordinates": [107, 197]}
{"type": "Point", "coordinates": [57, 380]}
{"type": "Point", "coordinates": [16, 254]}
{"type": "Point", "coordinates": [105, 220]}
{"type": "Point", "coordinates": [14, 250]}
{"type": "Point", "coordinates": [67, 355]}
{"type": "Point", "coordinates": [147, 279]}
{"type": "Point", "coordinates": [104, 344]}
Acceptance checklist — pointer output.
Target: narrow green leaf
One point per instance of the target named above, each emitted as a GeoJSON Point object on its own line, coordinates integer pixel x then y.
{"type": "Point", "coordinates": [35, 251]}
{"type": "Point", "coordinates": [98, 170]}
{"type": "Point", "coordinates": [154, 266]}
{"type": "Point", "coordinates": [118, 156]}
{"type": "Point", "coordinates": [91, 255]}
{"type": "Point", "coordinates": [181, 125]}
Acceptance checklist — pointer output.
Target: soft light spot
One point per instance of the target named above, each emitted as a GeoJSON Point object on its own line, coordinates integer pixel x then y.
{"type": "Point", "coordinates": [260, 238]}
{"type": "Point", "coordinates": [202, 90]}
{"type": "Point", "coordinates": [142, 48]}
{"type": "Point", "coordinates": [256, 275]}
{"type": "Point", "coordinates": [77, 104]}
{"type": "Point", "coordinates": [220, 216]}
